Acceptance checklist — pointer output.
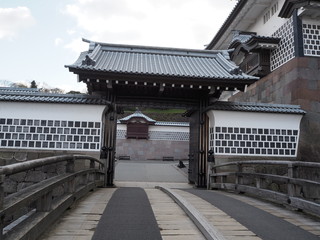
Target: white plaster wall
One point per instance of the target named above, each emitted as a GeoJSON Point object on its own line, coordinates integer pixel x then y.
{"type": "Point", "coordinates": [308, 20]}
{"type": "Point", "coordinates": [121, 126]}
{"type": "Point", "coordinates": [272, 24]}
{"type": "Point", "coordinates": [168, 129]}
{"type": "Point", "coordinates": [51, 111]}
{"type": "Point", "coordinates": [254, 119]}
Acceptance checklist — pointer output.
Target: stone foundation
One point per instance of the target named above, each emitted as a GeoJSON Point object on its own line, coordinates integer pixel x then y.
{"type": "Point", "coordinates": [141, 149]}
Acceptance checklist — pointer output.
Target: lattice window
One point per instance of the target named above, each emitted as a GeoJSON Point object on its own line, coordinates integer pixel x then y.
{"type": "Point", "coordinates": [49, 134]}
{"type": "Point", "coordinates": [311, 39]}
{"type": "Point", "coordinates": [171, 136]}
{"type": "Point", "coordinates": [285, 50]}
{"type": "Point", "coordinates": [253, 141]}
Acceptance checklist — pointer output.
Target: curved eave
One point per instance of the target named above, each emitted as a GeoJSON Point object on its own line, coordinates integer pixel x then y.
{"type": "Point", "coordinates": [52, 98]}
{"type": "Point", "coordinates": [128, 120]}
{"type": "Point", "coordinates": [253, 43]}
{"type": "Point", "coordinates": [256, 107]}
{"type": "Point", "coordinates": [127, 75]}
{"type": "Point", "coordinates": [290, 5]}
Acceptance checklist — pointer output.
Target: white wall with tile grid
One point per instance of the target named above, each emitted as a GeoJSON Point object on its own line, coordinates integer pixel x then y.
{"type": "Point", "coordinates": [50, 126]}
{"type": "Point", "coordinates": [253, 133]}
{"type": "Point", "coordinates": [169, 133]}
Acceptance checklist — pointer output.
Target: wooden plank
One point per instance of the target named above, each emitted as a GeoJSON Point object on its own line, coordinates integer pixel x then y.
{"type": "Point", "coordinates": [209, 231]}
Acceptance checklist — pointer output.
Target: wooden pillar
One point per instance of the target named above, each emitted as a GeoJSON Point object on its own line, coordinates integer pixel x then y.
{"type": "Point", "coordinates": [198, 156]}
{"type": "Point", "coordinates": [108, 149]}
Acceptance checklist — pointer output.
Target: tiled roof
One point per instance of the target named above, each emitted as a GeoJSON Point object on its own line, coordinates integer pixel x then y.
{"type": "Point", "coordinates": [14, 95]}
{"type": "Point", "coordinates": [257, 107]}
{"type": "Point", "coordinates": [176, 124]}
{"type": "Point", "coordinates": [15, 90]}
{"type": "Point", "coordinates": [160, 123]}
{"type": "Point", "coordinates": [137, 114]}
{"type": "Point", "coordinates": [290, 5]}
{"type": "Point", "coordinates": [251, 40]}
{"type": "Point", "coordinates": [156, 61]}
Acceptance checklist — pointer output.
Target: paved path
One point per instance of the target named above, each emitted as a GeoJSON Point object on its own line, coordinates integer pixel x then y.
{"type": "Point", "coordinates": [127, 216]}
{"type": "Point", "coordinates": [149, 171]}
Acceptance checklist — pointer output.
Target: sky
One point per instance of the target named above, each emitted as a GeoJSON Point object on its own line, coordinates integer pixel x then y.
{"type": "Point", "coordinates": [39, 37]}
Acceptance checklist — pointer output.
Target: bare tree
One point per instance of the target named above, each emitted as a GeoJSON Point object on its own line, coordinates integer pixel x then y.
{"type": "Point", "coordinates": [33, 84]}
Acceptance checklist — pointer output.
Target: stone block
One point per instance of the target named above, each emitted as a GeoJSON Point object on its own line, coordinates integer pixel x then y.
{"type": "Point", "coordinates": [2, 162]}
{"type": "Point", "coordinates": [45, 154]}
{"type": "Point", "coordinates": [23, 185]}
{"type": "Point", "coordinates": [313, 63]}
{"type": "Point", "coordinates": [61, 168]}
{"type": "Point", "coordinates": [313, 84]}
{"type": "Point", "coordinates": [11, 161]}
{"type": "Point", "coordinates": [20, 156]}
{"type": "Point", "coordinates": [315, 106]}
{"type": "Point", "coordinates": [33, 155]}
{"type": "Point", "coordinates": [50, 175]}
{"type": "Point", "coordinates": [35, 176]}
{"type": "Point", "coordinates": [18, 177]}
{"type": "Point", "coordinates": [9, 186]}
{"type": "Point", "coordinates": [52, 168]}
{"type": "Point", "coordinates": [6, 155]}
{"type": "Point", "coordinates": [58, 191]}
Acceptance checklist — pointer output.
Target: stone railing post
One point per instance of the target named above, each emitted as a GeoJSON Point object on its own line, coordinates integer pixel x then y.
{"type": "Point", "coordinates": [44, 203]}
{"type": "Point", "coordinates": [92, 163]}
{"type": "Point", "coordinates": [258, 182]}
{"type": "Point", "coordinates": [70, 168]}
{"type": "Point", "coordinates": [290, 185]}
{"type": "Point", "coordinates": [238, 177]}
{"type": "Point", "coordinates": [93, 175]}
{"type": "Point", "coordinates": [2, 177]}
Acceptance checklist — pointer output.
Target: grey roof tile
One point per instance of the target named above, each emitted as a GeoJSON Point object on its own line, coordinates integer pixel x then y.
{"type": "Point", "coordinates": [138, 114]}
{"type": "Point", "coordinates": [12, 95]}
{"type": "Point", "coordinates": [176, 124]}
{"type": "Point", "coordinates": [187, 63]}
{"type": "Point", "coordinates": [245, 37]}
{"type": "Point", "coordinates": [16, 89]}
{"type": "Point", "coordinates": [256, 107]}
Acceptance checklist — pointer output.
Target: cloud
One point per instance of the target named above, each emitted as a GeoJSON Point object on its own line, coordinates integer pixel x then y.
{"type": "Point", "coordinates": [172, 23]}
{"type": "Point", "coordinates": [14, 20]}
{"type": "Point", "coordinates": [71, 32]}
{"type": "Point", "coordinates": [77, 45]}
{"type": "Point", "coordinates": [58, 41]}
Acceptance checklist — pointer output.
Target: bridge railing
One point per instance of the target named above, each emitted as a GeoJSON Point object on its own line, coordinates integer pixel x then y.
{"type": "Point", "coordinates": [27, 213]}
{"type": "Point", "coordinates": [293, 183]}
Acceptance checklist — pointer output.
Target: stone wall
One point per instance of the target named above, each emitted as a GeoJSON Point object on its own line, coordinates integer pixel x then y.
{"type": "Point", "coordinates": [142, 149]}
{"type": "Point", "coordinates": [10, 156]}
{"type": "Point", "coordinates": [296, 82]}
{"type": "Point", "coordinates": [16, 182]}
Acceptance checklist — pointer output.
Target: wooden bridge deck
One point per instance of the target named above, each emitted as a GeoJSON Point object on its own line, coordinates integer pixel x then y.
{"type": "Point", "coordinates": [80, 222]}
